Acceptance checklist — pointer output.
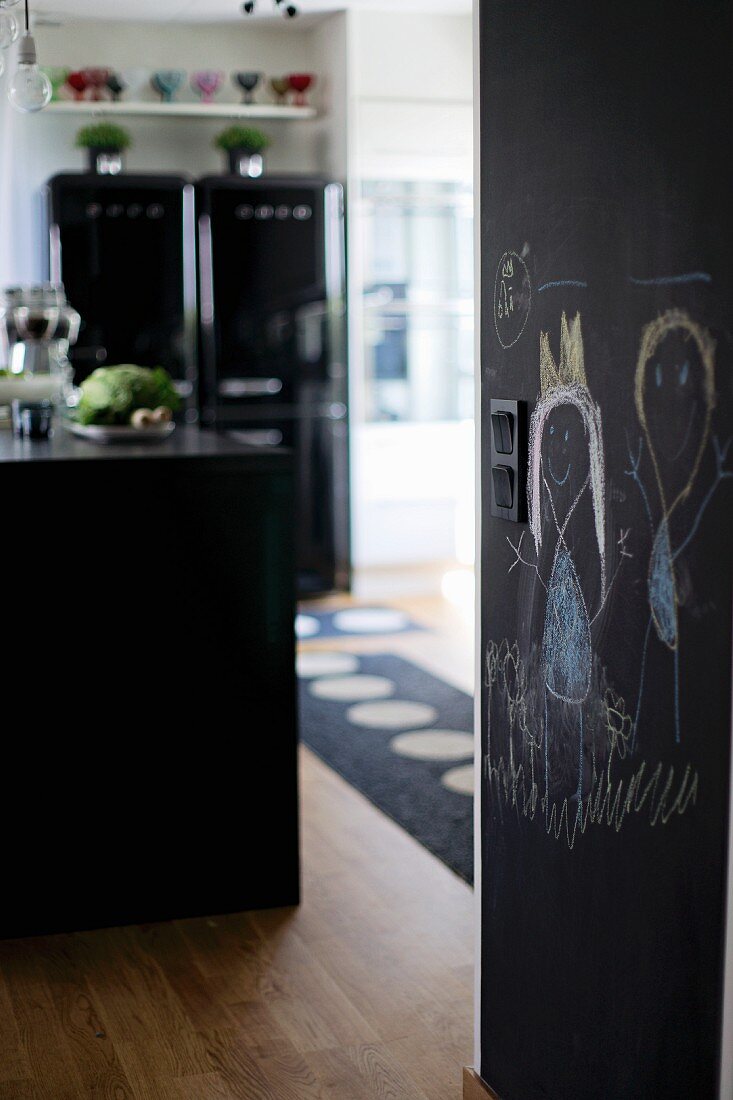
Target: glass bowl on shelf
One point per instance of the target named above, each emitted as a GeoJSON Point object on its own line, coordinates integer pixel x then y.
{"type": "Point", "coordinates": [280, 86]}
{"type": "Point", "coordinates": [115, 86]}
{"type": "Point", "coordinates": [247, 81]}
{"type": "Point", "coordinates": [206, 83]}
{"type": "Point", "coordinates": [166, 82]}
{"type": "Point", "coordinates": [78, 83]}
{"type": "Point", "coordinates": [299, 83]}
{"type": "Point", "coordinates": [96, 79]}
{"type": "Point", "coordinates": [59, 79]}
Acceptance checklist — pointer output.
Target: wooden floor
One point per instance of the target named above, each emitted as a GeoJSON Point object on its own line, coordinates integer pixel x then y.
{"type": "Point", "coordinates": [363, 992]}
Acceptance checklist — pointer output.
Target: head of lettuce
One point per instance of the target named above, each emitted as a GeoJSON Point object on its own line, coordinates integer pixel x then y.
{"type": "Point", "coordinates": [110, 395]}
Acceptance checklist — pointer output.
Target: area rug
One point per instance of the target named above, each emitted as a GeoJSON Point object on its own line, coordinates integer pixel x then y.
{"type": "Point", "coordinates": [400, 736]}
{"type": "Point", "coordinates": [353, 621]}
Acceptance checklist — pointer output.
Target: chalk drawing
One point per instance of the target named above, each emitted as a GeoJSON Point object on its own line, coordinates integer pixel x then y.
{"type": "Point", "coordinates": [567, 653]}
{"type": "Point", "coordinates": [565, 384]}
{"type": "Point", "coordinates": [653, 380]}
{"type": "Point", "coordinates": [674, 280]}
{"type": "Point", "coordinates": [566, 643]}
{"type": "Point", "coordinates": [615, 792]}
{"type": "Point", "coordinates": [559, 478]}
{"type": "Point", "coordinates": [561, 282]}
{"type": "Point", "coordinates": [512, 298]}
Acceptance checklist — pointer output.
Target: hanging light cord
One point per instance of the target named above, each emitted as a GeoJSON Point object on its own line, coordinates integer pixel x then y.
{"type": "Point", "coordinates": [27, 18]}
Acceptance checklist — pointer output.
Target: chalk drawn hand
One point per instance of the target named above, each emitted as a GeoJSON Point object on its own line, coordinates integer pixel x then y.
{"type": "Point", "coordinates": [721, 454]}
{"type": "Point", "coordinates": [621, 542]}
{"type": "Point", "coordinates": [517, 551]}
{"type": "Point", "coordinates": [635, 460]}
{"type": "Point", "coordinates": [624, 533]}
{"type": "Point", "coordinates": [518, 558]}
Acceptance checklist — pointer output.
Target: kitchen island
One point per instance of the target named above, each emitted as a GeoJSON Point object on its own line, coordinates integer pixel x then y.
{"type": "Point", "coordinates": [150, 724]}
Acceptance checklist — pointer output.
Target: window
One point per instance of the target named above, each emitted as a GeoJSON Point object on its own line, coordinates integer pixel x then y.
{"type": "Point", "coordinates": [418, 300]}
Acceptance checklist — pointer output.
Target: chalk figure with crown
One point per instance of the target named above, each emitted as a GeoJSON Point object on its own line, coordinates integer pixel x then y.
{"type": "Point", "coordinates": [566, 468]}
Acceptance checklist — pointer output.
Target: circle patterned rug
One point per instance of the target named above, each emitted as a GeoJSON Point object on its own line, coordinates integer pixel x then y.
{"type": "Point", "coordinates": [400, 736]}
{"type": "Point", "coordinates": [353, 621]}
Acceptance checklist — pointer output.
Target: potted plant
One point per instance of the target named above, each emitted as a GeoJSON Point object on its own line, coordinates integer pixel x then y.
{"type": "Point", "coordinates": [244, 148]}
{"type": "Point", "coordinates": [105, 143]}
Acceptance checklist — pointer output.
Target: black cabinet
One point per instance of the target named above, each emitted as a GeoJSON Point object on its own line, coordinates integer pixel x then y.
{"type": "Point", "coordinates": [151, 772]}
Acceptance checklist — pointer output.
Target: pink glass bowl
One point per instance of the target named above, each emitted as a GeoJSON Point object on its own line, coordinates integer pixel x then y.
{"type": "Point", "coordinates": [207, 83]}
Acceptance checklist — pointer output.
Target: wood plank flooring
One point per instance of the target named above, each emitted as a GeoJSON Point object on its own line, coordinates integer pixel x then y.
{"type": "Point", "coordinates": [363, 992]}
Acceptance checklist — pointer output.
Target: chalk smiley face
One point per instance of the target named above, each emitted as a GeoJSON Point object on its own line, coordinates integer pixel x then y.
{"type": "Point", "coordinates": [675, 396]}
{"type": "Point", "coordinates": [674, 384]}
{"type": "Point", "coordinates": [565, 450]}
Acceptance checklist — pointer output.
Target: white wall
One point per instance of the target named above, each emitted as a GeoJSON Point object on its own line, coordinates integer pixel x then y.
{"type": "Point", "coordinates": [18, 209]}
{"type": "Point", "coordinates": [414, 56]}
{"type": "Point", "coordinates": [329, 44]}
{"type": "Point", "coordinates": [410, 118]}
{"type": "Point", "coordinates": [412, 86]}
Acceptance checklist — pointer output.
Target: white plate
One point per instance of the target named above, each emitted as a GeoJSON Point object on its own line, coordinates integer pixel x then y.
{"type": "Point", "coordinates": [103, 433]}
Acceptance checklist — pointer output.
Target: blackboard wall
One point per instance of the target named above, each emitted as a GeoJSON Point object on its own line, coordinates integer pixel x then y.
{"type": "Point", "coordinates": [607, 306]}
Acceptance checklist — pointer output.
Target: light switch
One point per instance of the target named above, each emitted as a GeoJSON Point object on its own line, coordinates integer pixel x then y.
{"type": "Point", "coordinates": [502, 424]}
{"type": "Point", "coordinates": [506, 427]}
{"type": "Point", "coordinates": [503, 478]}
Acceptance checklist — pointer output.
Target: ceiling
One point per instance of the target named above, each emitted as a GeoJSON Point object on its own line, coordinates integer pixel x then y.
{"type": "Point", "coordinates": [187, 11]}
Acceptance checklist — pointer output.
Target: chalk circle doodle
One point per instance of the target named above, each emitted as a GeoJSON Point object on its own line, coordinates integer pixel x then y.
{"type": "Point", "coordinates": [512, 298]}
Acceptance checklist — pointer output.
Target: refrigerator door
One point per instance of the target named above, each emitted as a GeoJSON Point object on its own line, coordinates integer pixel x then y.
{"type": "Point", "coordinates": [272, 344]}
{"type": "Point", "coordinates": [124, 247]}
{"type": "Point", "coordinates": [322, 493]}
{"type": "Point", "coordinates": [272, 296]}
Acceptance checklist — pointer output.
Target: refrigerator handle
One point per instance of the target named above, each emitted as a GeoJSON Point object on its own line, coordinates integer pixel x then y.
{"type": "Point", "coordinates": [189, 303]}
{"type": "Point", "coordinates": [334, 242]}
{"type": "Point", "coordinates": [54, 253]}
{"type": "Point", "coordinates": [206, 263]}
{"type": "Point", "coordinates": [334, 245]}
{"type": "Point", "coordinates": [206, 312]}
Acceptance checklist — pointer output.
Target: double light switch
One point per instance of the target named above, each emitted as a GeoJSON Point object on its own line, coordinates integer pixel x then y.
{"type": "Point", "coordinates": [508, 421]}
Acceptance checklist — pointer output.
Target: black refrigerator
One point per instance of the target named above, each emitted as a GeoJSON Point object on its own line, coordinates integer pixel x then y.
{"type": "Point", "coordinates": [272, 344]}
{"type": "Point", "coordinates": [124, 247]}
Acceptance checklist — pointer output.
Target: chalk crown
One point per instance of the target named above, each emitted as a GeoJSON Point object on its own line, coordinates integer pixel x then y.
{"type": "Point", "coordinates": [571, 369]}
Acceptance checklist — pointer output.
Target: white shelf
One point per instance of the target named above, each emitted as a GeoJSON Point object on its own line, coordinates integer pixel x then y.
{"type": "Point", "coordinates": [180, 110]}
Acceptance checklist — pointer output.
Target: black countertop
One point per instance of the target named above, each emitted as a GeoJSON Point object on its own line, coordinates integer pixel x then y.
{"type": "Point", "coordinates": [184, 443]}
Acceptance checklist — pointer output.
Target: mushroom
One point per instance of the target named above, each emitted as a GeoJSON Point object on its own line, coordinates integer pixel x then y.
{"type": "Point", "coordinates": [142, 418]}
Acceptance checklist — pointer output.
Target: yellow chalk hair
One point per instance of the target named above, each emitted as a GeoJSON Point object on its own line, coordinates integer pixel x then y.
{"type": "Point", "coordinates": [680, 322]}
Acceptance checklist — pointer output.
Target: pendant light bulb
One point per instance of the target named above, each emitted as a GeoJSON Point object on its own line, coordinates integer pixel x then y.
{"type": "Point", "coordinates": [30, 89]}
{"type": "Point", "coordinates": [8, 29]}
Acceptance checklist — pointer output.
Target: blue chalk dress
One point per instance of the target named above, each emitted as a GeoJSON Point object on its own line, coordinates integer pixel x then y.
{"type": "Point", "coordinates": [566, 643]}
{"type": "Point", "coordinates": [662, 587]}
